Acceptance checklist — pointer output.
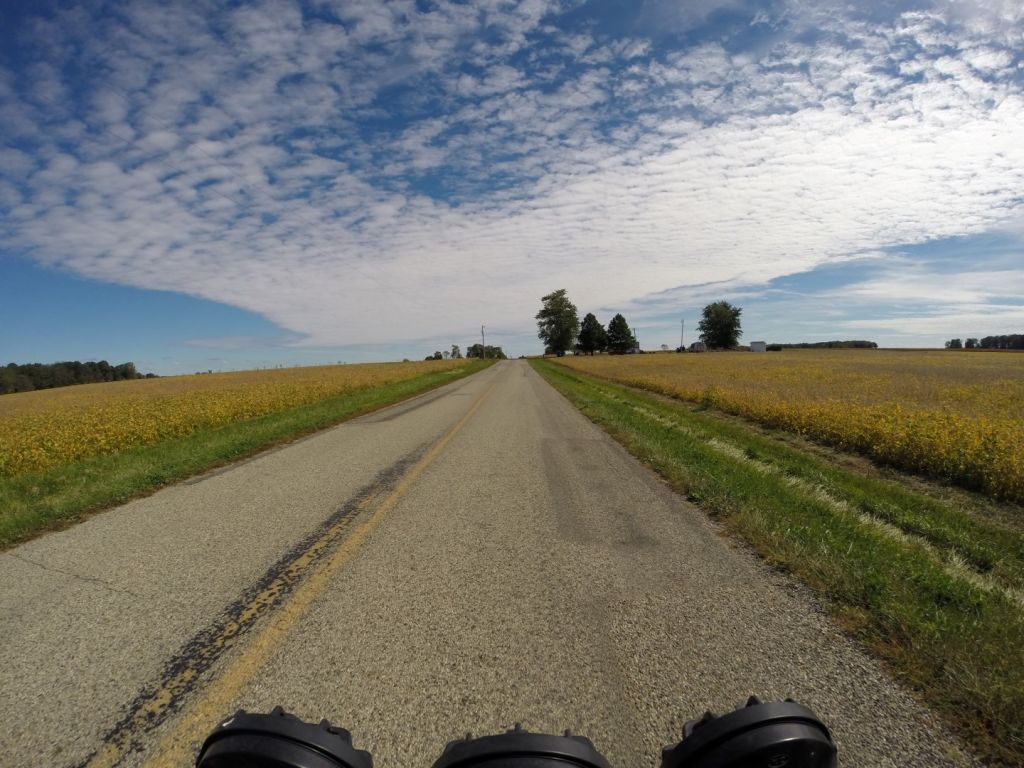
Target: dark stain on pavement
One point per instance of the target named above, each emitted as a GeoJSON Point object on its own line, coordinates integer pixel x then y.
{"type": "Point", "coordinates": [185, 672]}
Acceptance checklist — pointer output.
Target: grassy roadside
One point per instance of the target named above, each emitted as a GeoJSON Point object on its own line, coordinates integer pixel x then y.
{"type": "Point", "coordinates": [33, 503]}
{"type": "Point", "coordinates": [934, 588]}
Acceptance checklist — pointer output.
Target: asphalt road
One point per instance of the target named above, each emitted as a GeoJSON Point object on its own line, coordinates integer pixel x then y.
{"type": "Point", "coordinates": [478, 556]}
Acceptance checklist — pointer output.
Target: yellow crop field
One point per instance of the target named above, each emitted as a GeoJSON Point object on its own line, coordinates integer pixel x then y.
{"type": "Point", "coordinates": [43, 429]}
{"type": "Point", "coordinates": [955, 415]}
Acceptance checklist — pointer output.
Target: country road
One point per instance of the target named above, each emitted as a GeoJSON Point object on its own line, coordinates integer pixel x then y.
{"type": "Point", "coordinates": [478, 556]}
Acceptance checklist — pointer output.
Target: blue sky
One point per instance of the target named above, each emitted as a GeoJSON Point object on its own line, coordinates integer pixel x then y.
{"type": "Point", "coordinates": [197, 185]}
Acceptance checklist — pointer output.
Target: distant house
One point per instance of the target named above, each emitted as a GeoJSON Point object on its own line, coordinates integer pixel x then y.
{"type": "Point", "coordinates": [758, 346]}
{"type": "Point", "coordinates": [698, 346]}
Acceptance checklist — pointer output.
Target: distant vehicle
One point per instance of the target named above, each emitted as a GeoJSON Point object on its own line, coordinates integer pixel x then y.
{"type": "Point", "coordinates": [698, 346]}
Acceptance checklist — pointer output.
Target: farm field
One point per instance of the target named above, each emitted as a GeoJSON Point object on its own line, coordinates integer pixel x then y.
{"type": "Point", "coordinates": [71, 450]}
{"type": "Point", "coordinates": [43, 429]}
{"type": "Point", "coordinates": [954, 416]}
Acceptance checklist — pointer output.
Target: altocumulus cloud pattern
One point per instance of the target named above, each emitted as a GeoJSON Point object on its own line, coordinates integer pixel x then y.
{"type": "Point", "coordinates": [366, 171]}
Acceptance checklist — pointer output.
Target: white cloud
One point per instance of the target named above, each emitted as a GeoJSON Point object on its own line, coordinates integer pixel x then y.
{"type": "Point", "coordinates": [918, 285]}
{"type": "Point", "coordinates": [472, 159]}
{"type": "Point", "coordinates": [969, 321]}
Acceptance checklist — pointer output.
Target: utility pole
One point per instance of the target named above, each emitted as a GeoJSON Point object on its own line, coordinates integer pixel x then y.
{"type": "Point", "coordinates": [682, 332]}
{"type": "Point", "coordinates": [483, 343]}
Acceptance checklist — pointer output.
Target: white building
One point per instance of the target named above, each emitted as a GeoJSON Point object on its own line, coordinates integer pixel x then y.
{"type": "Point", "coordinates": [758, 346]}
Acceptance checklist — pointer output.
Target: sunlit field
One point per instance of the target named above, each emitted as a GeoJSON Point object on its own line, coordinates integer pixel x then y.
{"type": "Point", "coordinates": [48, 428]}
{"type": "Point", "coordinates": [954, 415]}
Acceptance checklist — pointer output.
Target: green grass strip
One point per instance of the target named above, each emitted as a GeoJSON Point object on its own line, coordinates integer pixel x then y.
{"type": "Point", "coordinates": [932, 588]}
{"type": "Point", "coordinates": [34, 503]}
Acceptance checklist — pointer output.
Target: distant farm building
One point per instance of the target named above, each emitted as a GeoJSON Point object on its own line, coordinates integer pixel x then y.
{"type": "Point", "coordinates": [698, 346]}
{"type": "Point", "coordinates": [758, 346]}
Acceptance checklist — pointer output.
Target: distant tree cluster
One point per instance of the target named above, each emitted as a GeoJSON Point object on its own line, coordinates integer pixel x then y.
{"type": "Point", "coordinates": [1007, 341]}
{"type": "Point", "coordinates": [474, 350]}
{"type": "Point", "coordinates": [617, 339]}
{"type": "Point", "coordinates": [491, 353]}
{"type": "Point", "coordinates": [849, 344]}
{"type": "Point", "coordinates": [32, 376]}
{"type": "Point", "coordinates": [559, 327]}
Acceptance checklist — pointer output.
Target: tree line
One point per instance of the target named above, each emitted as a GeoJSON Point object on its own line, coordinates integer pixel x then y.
{"type": "Point", "coordinates": [849, 344]}
{"type": "Point", "coordinates": [559, 327]}
{"type": "Point", "coordinates": [1006, 341]}
{"type": "Point", "coordinates": [473, 350]}
{"type": "Point", "coordinates": [32, 376]}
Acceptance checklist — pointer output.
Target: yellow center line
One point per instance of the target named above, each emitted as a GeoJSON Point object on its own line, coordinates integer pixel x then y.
{"type": "Point", "coordinates": [171, 690]}
{"type": "Point", "coordinates": [177, 748]}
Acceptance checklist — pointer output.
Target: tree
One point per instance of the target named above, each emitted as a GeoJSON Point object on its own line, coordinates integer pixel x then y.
{"type": "Point", "coordinates": [620, 337]}
{"type": "Point", "coordinates": [557, 323]}
{"type": "Point", "coordinates": [971, 344]}
{"type": "Point", "coordinates": [592, 335]}
{"type": "Point", "coordinates": [720, 325]}
{"type": "Point", "coordinates": [456, 352]}
{"type": "Point", "coordinates": [954, 344]}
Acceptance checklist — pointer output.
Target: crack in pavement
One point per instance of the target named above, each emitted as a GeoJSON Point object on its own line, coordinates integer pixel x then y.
{"type": "Point", "coordinates": [76, 576]}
